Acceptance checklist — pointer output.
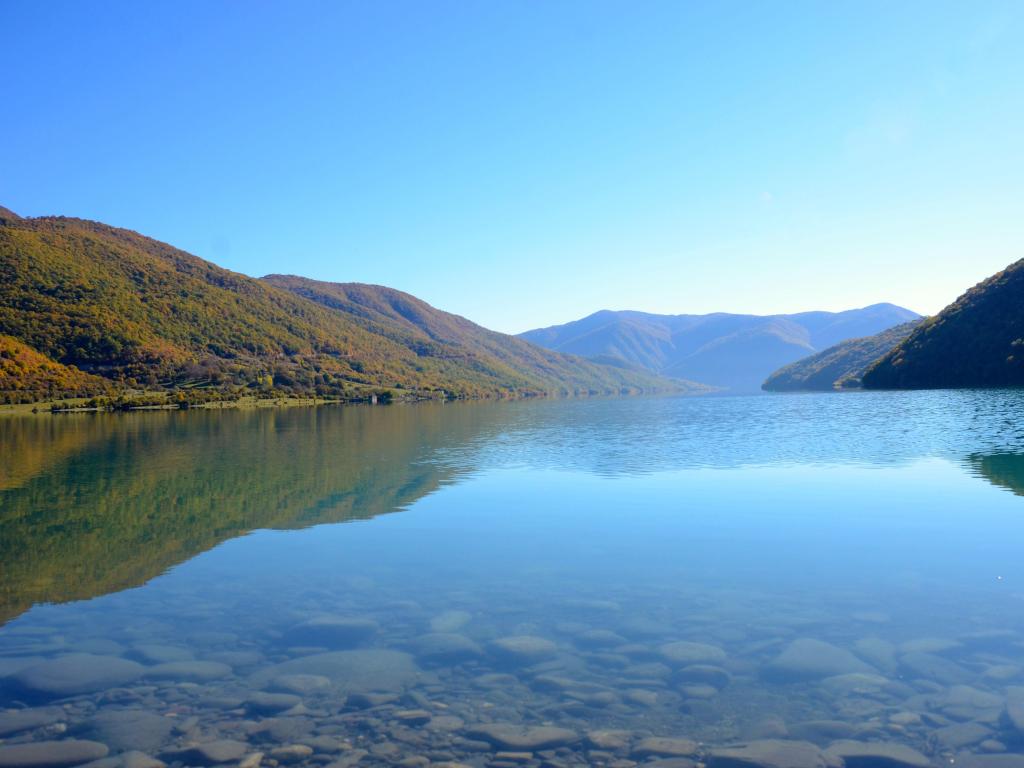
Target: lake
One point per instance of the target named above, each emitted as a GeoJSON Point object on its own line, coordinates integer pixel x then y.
{"type": "Point", "coordinates": [783, 581]}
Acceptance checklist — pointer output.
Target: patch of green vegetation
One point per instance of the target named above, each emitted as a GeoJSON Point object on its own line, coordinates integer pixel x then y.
{"type": "Point", "coordinates": [838, 367]}
{"type": "Point", "coordinates": [977, 341]}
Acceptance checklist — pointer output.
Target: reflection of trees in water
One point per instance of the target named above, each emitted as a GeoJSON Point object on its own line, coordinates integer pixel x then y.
{"type": "Point", "coordinates": [95, 504]}
{"type": "Point", "coordinates": [91, 504]}
{"type": "Point", "coordinates": [1005, 470]}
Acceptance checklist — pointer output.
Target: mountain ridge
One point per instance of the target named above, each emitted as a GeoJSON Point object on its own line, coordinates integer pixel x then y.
{"type": "Point", "coordinates": [722, 349]}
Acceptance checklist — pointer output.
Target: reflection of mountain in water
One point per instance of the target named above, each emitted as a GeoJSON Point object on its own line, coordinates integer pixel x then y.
{"type": "Point", "coordinates": [91, 504]}
{"type": "Point", "coordinates": [1005, 470]}
{"type": "Point", "coordinates": [94, 504]}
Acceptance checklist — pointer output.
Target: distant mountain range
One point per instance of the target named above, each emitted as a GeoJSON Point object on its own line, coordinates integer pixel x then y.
{"type": "Point", "coordinates": [838, 367]}
{"type": "Point", "coordinates": [728, 351]}
{"type": "Point", "coordinates": [977, 341]}
{"type": "Point", "coordinates": [84, 306]}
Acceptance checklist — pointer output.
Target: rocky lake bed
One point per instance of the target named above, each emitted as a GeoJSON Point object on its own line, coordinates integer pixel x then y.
{"type": "Point", "coordinates": [665, 680]}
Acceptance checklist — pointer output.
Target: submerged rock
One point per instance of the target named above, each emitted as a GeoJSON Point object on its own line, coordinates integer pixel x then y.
{"type": "Point", "coordinates": [609, 739]}
{"type": "Point", "coordinates": [524, 649]}
{"type": "Point", "coordinates": [685, 653]}
{"type": "Point", "coordinates": [1015, 708]}
{"type": "Point", "coordinates": [125, 729]}
{"type": "Point", "coordinates": [155, 653]}
{"type": "Point", "coordinates": [446, 648]}
{"type": "Point", "coordinates": [17, 720]}
{"type": "Point", "coordinates": [331, 632]}
{"type": "Point", "coordinates": [363, 671]}
{"type": "Point", "coordinates": [822, 731]}
{"type": "Point", "coordinates": [450, 621]}
{"type": "Point", "coordinates": [932, 667]}
{"type": "Point", "coordinates": [930, 645]}
{"type": "Point", "coordinates": [136, 759]}
{"type": "Point", "coordinates": [298, 684]}
{"type": "Point", "coordinates": [75, 674]}
{"type": "Point", "coordinates": [522, 737]}
{"type": "Point", "coordinates": [864, 754]}
{"type": "Point", "coordinates": [704, 673]}
{"type": "Point", "coordinates": [808, 658]}
{"type": "Point", "coordinates": [772, 753]}
{"type": "Point", "coordinates": [960, 735]}
{"type": "Point", "coordinates": [264, 703]}
{"type": "Point", "coordinates": [189, 671]}
{"type": "Point", "coordinates": [657, 746]}
{"type": "Point", "coordinates": [210, 753]}
{"type": "Point", "coordinates": [51, 754]}
{"type": "Point", "coordinates": [968, 760]}
{"type": "Point", "coordinates": [598, 638]}
{"type": "Point", "coordinates": [878, 652]}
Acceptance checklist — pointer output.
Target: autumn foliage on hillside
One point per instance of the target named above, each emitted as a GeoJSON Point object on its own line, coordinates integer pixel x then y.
{"type": "Point", "coordinates": [142, 314]}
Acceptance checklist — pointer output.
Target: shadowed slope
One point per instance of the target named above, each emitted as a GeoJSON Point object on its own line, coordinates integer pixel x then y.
{"type": "Point", "coordinates": [840, 366]}
{"type": "Point", "coordinates": [977, 341]}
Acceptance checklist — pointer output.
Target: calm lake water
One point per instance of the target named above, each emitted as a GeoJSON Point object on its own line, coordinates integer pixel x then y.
{"type": "Point", "coordinates": [790, 581]}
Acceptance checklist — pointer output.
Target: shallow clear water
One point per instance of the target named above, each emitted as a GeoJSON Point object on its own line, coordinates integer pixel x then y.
{"type": "Point", "coordinates": [376, 586]}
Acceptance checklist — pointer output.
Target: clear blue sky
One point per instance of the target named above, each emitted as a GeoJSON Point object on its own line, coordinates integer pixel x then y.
{"type": "Point", "coordinates": [527, 163]}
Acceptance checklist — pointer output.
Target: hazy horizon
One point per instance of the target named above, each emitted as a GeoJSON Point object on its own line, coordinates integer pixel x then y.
{"type": "Point", "coordinates": [525, 165]}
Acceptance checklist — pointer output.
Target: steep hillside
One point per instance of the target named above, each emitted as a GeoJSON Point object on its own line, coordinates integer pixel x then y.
{"type": "Point", "coordinates": [735, 352]}
{"type": "Point", "coordinates": [27, 376]}
{"type": "Point", "coordinates": [840, 366]}
{"type": "Point", "coordinates": [116, 304]}
{"type": "Point", "coordinates": [977, 341]}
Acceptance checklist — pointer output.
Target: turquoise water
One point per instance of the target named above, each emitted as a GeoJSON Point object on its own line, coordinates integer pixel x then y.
{"type": "Point", "coordinates": [535, 583]}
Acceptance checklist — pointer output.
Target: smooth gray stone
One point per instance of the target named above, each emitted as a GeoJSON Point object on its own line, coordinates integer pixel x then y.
{"type": "Point", "coordinates": [75, 674]}
{"type": "Point", "coordinates": [269, 703]}
{"type": "Point", "coordinates": [156, 653]}
{"type": "Point", "coordinates": [808, 658]}
{"type": "Point", "coordinates": [445, 647]}
{"type": "Point", "coordinates": [363, 671]}
{"type": "Point", "coordinates": [520, 738]}
{"type": "Point", "coordinates": [969, 760]}
{"type": "Point", "coordinates": [331, 632]}
{"type": "Point", "coordinates": [17, 720]}
{"type": "Point", "coordinates": [1015, 708]}
{"type": "Point", "coordinates": [704, 673]}
{"type": "Point", "coordinates": [961, 735]}
{"type": "Point", "coordinates": [685, 653]}
{"type": "Point", "coordinates": [211, 753]}
{"type": "Point", "coordinates": [129, 729]}
{"type": "Point", "coordinates": [51, 754]}
{"type": "Point", "coordinates": [188, 671]}
{"type": "Point", "coordinates": [524, 649]}
{"type": "Point", "coordinates": [932, 667]}
{"type": "Point", "coordinates": [771, 753]}
{"type": "Point", "coordinates": [657, 746]}
{"type": "Point", "coordinates": [873, 754]}
{"type": "Point", "coordinates": [822, 731]}
{"type": "Point", "coordinates": [135, 759]}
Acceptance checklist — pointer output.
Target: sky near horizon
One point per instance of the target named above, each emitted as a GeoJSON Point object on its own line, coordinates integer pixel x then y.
{"type": "Point", "coordinates": [528, 163]}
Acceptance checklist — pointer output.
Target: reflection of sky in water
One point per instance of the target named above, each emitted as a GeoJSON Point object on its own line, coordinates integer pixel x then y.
{"type": "Point", "coordinates": [740, 522]}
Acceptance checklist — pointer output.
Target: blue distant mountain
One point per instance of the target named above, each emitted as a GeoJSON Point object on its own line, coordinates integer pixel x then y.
{"type": "Point", "coordinates": [732, 352]}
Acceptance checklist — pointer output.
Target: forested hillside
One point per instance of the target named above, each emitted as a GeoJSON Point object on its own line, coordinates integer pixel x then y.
{"type": "Point", "coordinates": [977, 341]}
{"type": "Point", "coordinates": [838, 367]}
{"type": "Point", "coordinates": [142, 314]}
